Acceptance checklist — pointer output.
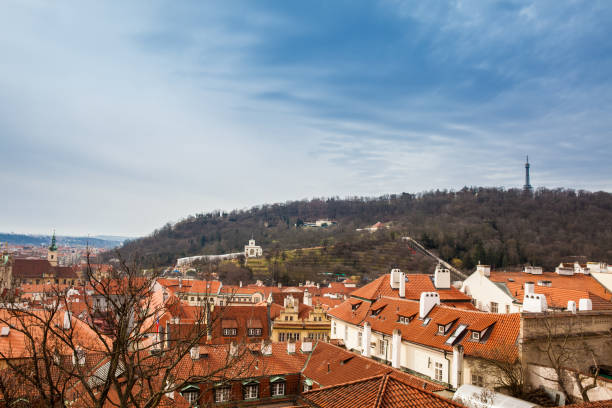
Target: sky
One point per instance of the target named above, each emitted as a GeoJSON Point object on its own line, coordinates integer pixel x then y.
{"type": "Point", "coordinates": [117, 117]}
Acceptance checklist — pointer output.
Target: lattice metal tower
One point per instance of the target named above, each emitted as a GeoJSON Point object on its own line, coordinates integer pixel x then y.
{"type": "Point", "coordinates": [527, 187]}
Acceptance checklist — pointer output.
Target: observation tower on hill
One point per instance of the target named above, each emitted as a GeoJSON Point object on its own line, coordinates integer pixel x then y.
{"type": "Point", "coordinates": [527, 187]}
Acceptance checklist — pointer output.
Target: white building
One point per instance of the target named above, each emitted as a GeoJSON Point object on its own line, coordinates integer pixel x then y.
{"type": "Point", "coordinates": [534, 290]}
{"type": "Point", "coordinates": [252, 250]}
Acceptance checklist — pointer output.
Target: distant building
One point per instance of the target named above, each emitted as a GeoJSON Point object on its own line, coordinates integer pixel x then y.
{"type": "Point", "coordinates": [252, 250]}
{"type": "Point", "coordinates": [320, 223]}
{"type": "Point", "coordinates": [299, 321]}
{"type": "Point", "coordinates": [38, 271]}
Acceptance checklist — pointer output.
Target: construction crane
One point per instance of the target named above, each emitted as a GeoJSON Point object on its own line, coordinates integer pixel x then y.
{"type": "Point", "coordinates": [414, 244]}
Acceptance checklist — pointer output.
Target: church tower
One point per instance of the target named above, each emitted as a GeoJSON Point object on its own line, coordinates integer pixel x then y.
{"type": "Point", "coordinates": [527, 187]}
{"type": "Point", "coordinates": [52, 251]}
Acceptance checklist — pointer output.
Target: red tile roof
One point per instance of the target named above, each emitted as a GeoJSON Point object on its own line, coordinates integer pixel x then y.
{"type": "Point", "coordinates": [415, 285]}
{"type": "Point", "coordinates": [333, 365]}
{"type": "Point", "coordinates": [36, 268]}
{"type": "Point", "coordinates": [499, 342]}
{"type": "Point", "coordinates": [383, 390]}
{"type": "Point", "coordinates": [563, 288]}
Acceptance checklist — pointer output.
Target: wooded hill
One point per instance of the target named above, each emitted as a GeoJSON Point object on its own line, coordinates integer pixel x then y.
{"type": "Point", "coordinates": [500, 227]}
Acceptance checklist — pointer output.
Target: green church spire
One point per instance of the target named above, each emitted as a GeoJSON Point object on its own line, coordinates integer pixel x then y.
{"type": "Point", "coordinates": [53, 246]}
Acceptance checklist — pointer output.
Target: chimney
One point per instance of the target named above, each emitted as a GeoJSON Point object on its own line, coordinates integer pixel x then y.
{"type": "Point", "coordinates": [266, 348]}
{"type": "Point", "coordinates": [585, 304]}
{"type": "Point", "coordinates": [442, 278]}
{"type": "Point", "coordinates": [571, 306]}
{"type": "Point", "coordinates": [233, 349]}
{"type": "Point", "coordinates": [427, 302]}
{"type": "Point", "coordinates": [534, 303]}
{"type": "Point", "coordinates": [195, 352]}
{"type": "Point", "coordinates": [240, 283]}
{"type": "Point", "coordinates": [180, 280]}
{"type": "Point", "coordinates": [307, 298]}
{"type": "Point", "coordinates": [484, 270]}
{"type": "Point", "coordinates": [306, 346]}
{"type": "Point", "coordinates": [394, 278]}
{"type": "Point", "coordinates": [457, 366]}
{"type": "Point", "coordinates": [290, 347]}
{"type": "Point", "coordinates": [402, 285]}
{"type": "Point", "coordinates": [529, 288]}
{"type": "Point", "coordinates": [365, 339]}
{"type": "Point", "coordinates": [280, 285]}
{"type": "Point", "coordinates": [396, 350]}
{"type": "Point", "coordinates": [67, 323]}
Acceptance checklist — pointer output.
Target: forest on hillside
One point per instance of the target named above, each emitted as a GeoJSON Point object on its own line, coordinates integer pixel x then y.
{"type": "Point", "coordinates": [504, 228]}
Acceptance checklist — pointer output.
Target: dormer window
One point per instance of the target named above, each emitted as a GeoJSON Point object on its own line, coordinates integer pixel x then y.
{"type": "Point", "coordinates": [440, 329]}
{"type": "Point", "coordinates": [476, 335]}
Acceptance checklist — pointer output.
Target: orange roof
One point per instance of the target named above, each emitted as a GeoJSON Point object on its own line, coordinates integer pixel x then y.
{"type": "Point", "coordinates": [563, 288]}
{"type": "Point", "coordinates": [332, 365]}
{"type": "Point", "coordinates": [190, 285]}
{"type": "Point", "coordinates": [498, 342]}
{"type": "Point", "coordinates": [383, 390]}
{"type": "Point", "coordinates": [415, 285]}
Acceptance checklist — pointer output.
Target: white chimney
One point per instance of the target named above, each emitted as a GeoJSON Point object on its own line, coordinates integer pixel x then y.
{"type": "Point", "coordinates": [307, 298]}
{"type": "Point", "coordinates": [457, 366]}
{"type": "Point", "coordinates": [571, 306]}
{"type": "Point", "coordinates": [485, 270]}
{"type": "Point", "coordinates": [396, 350]}
{"type": "Point", "coordinates": [266, 348]}
{"type": "Point", "coordinates": [306, 346]}
{"type": "Point", "coordinates": [442, 278]}
{"type": "Point", "coordinates": [290, 347]}
{"type": "Point", "coordinates": [529, 288]}
{"type": "Point", "coordinates": [180, 282]}
{"type": "Point", "coordinates": [585, 304]}
{"type": "Point", "coordinates": [240, 283]}
{"type": "Point", "coordinates": [67, 324]}
{"type": "Point", "coordinates": [365, 339]}
{"type": "Point", "coordinates": [280, 285]}
{"type": "Point", "coordinates": [394, 278]}
{"type": "Point", "coordinates": [402, 285]}
{"type": "Point", "coordinates": [233, 349]}
{"type": "Point", "coordinates": [427, 302]}
{"type": "Point", "coordinates": [534, 303]}
{"type": "Point", "coordinates": [195, 352]}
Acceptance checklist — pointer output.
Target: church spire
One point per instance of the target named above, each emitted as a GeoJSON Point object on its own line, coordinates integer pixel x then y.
{"type": "Point", "coordinates": [53, 246]}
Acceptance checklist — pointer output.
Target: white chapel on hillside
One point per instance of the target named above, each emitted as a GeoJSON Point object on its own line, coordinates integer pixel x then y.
{"type": "Point", "coordinates": [252, 250]}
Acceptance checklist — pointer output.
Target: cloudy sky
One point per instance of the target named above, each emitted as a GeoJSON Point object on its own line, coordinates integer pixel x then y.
{"type": "Point", "coordinates": [117, 117]}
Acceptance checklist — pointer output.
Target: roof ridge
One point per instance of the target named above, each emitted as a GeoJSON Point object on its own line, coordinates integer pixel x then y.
{"type": "Point", "coordinates": [394, 377]}
{"type": "Point", "coordinates": [381, 391]}
{"type": "Point", "coordinates": [327, 387]}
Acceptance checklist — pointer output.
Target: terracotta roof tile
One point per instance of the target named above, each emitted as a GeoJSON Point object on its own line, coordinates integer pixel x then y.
{"type": "Point", "coordinates": [415, 285]}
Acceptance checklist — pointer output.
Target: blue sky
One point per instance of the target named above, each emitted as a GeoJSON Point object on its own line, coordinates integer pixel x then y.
{"type": "Point", "coordinates": [116, 117]}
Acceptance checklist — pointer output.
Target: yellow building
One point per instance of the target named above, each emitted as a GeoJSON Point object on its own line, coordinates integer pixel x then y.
{"type": "Point", "coordinates": [299, 321]}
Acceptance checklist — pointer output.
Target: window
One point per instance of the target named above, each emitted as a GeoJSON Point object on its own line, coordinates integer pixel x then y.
{"type": "Point", "coordinates": [191, 397]}
{"type": "Point", "coordinates": [251, 391]}
{"type": "Point", "coordinates": [440, 329]}
{"type": "Point", "coordinates": [307, 387]}
{"type": "Point", "coordinates": [477, 380]}
{"type": "Point", "coordinates": [507, 308]}
{"type": "Point", "coordinates": [222, 394]}
{"type": "Point", "coordinates": [438, 371]}
{"type": "Point", "coordinates": [230, 332]}
{"type": "Point", "coordinates": [494, 307]}
{"type": "Point", "coordinates": [254, 332]}
{"type": "Point", "coordinates": [476, 335]}
{"type": "Point", "coordinates": [281, 336]}
{"type": "Point", "coordinates": [359, 339]}
{"type": "Point", "coordinates": [278, 388]}
{"type": "Point", "coordinates": [381, 347]}
{"type": "Point", "coordinates": [334, 328]}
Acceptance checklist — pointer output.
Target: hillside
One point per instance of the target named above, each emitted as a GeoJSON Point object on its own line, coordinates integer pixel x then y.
{"type": "Point", "coordinates": [495, 226]}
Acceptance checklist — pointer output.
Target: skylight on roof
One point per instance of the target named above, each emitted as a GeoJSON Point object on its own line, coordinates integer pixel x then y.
{"type": "Point", "coordinates": [456, 334]}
